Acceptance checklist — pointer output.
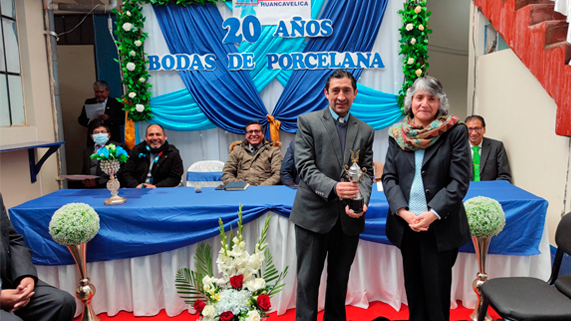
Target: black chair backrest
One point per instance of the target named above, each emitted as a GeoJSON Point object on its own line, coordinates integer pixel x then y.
{"type": "Point", "coordinates": [563, 234]}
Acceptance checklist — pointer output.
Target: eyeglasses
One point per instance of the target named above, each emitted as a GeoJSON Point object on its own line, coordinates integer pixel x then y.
{"type": "Point", "coordinates": [255, 131]}
{"type": "Point", "coordinates": [477, 129]}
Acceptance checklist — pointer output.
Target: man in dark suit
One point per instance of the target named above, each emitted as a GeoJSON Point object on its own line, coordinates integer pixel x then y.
{"type": "Point", "coordinates": [288, 172]}
{"type": "Point", "coordinates": [491, 159]}
{"type": "Point", "coordinates": [152, 163]}
{"type": "Point", "coordinates": [114, 116]}
{"type": "Point", "coordinates": [22, 295]}
{"type": "Point", "coordinates": [324, 224]}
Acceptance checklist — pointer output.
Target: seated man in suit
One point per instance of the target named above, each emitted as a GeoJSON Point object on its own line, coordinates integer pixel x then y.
{"type": "Point", "coordinates": [288, 172]}
{"type": "Point", "coordinates": [489, 159]}
{"type": "Point", "coordinates": [152, 163]}
{"type": "Point", "coordinates": [100, 134]}
{"type": "Point", "coordinates": [113, 116]}
{"type": "Point", "coordinates": [254, 160]}
{"type": "Point", "coordinates": [22, 295]}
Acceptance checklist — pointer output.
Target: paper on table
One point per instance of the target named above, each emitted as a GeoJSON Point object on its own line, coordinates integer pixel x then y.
{"type": "Point", "coordinates": [92, 111]}
{"type": "Point", "coordinates": [79, 177]}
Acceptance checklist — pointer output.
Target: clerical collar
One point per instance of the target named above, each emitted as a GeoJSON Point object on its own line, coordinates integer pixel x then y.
{"type": "Point", "coordinates": [335, 116]}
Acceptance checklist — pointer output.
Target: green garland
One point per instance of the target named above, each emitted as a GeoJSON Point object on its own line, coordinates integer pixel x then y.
{"type": "Point", "coordinates": [130, 40]}
{"type": "Point", "coordinates": [414, 42]}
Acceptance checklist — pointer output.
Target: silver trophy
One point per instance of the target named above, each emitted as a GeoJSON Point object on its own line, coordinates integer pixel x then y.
{"type": "Point", "coordinates": [355, 174]}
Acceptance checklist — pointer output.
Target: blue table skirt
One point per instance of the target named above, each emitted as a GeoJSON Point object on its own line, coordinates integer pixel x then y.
{"type": "Point", "coordinates": [163, 219]}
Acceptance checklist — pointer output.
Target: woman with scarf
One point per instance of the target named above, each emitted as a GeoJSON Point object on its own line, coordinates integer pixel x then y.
{"type": "Point", "coordinates": [425, 178]}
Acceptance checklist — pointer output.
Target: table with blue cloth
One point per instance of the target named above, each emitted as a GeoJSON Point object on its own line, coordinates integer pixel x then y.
{"type": "Point", "coordinates": [142, 243]}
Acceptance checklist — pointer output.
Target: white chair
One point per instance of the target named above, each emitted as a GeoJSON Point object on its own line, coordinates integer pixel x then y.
{"type": "Point", "coordinates": [206, 173]}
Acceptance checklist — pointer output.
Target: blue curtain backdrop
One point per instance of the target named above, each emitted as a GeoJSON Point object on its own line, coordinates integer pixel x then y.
{"type": "Point", "coordinates": [228, 99]}
{"type": "Point", "coordinates": [179, 111]}
{"type": "Point", "coordinates": [356, 25]}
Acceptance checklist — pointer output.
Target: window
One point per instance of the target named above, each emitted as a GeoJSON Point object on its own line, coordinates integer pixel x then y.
{"type": "Point", "coordinates": [11, 93]}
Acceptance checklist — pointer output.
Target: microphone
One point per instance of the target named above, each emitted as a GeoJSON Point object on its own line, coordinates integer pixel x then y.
{"type": "Point", "coordinates": [198, 189]}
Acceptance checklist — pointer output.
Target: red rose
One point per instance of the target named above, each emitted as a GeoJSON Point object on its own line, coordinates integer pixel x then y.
{"type": "Point", "coordinates": [199, 305]}
{"type": "Point", "coordinates": [228, 315]}
{"type": "Point", "coordinates": [236, 281]}
{"type": "Point", "coordinates": [264, 302]}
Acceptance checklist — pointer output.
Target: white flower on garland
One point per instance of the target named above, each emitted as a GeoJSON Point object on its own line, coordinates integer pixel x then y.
{"type": "Point", "coordinates": [410, 61]}
{"type": "Point", "coordinates": [409, 27]}
{"type": "Point", "coordinates": [128, 14]}
{"type": "Point", "coordinates": [421, 28]}
{"type": "Point", "coordinates": [132, 95]}
{"type": "Point", "coordinates": [418, 9]}
{"type": "Point", "coordinates": [253, 316]}
{"type": "Point", "coordinates": [138, 43]}
{"type": "Point", "coordinates": [412, 41]}
{"type": "Point", "coordinates": [127, 26]}
{"type": "Point", "coordinates": [131, 66]}
{"type": "Point", "coordinates": [132, 53]}
{"type": "Point", "coordinates": [418, 72]}
{"type": "Point", "coordinates": [74, 224]}
{"type": "Point", "coordinates": [142, 80]}
{"type": "Point", "coordinates": [485, 216]}
{"type": "Point", "coordinates": [140, 108]}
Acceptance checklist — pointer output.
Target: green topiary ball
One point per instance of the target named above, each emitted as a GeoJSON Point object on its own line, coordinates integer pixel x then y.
{"type": "Point", "coordinates": [485, 216]}
{"type": "Point", "coordinates": [74, 224]}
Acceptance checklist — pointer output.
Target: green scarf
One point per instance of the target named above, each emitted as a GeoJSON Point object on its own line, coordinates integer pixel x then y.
{"type": "Point", "coordinates": [412, 137]}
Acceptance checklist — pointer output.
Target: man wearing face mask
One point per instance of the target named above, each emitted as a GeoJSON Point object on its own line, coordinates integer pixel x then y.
{"type": "Point", "coordinates": [152, 163]}
{"type": "Point", "coordinates": [100, 135]}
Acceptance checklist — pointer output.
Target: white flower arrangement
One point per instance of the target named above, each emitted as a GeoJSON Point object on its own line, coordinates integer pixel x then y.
{"type": "Point", "coordinates": [243, 290]}
{"type": "Point", "coordinates": [142, 80]}
{"type": "Point", "coordinates": [409, 27]}
{"type": "Point", "coordinates": [74, 224]}
{"type": "Point", "coordinates": [140, 108]}
{"type": "Point", "coordinates": [138, 43]}
{"type": "Point", "coordinates": [413, 41]}
{"type": "Point", "coordinates": [131, 66]}
{"type": "Point", "coordinates": [132, 95]}
{"type": "Point", "coordinates": [132, 53]}
{"type": "Point", "coordinates": [485, 216]}
{"type": "Point", "coordinates": [128, 15]}
{"type": "Point", "coordinates": [410, 61]}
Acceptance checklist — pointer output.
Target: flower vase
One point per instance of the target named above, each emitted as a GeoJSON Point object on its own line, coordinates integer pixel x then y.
{"type": "Point", "coordinates": [111, 167]}
{"type": "Point", "coordinates": [85, 291]}
{"type": "Point", "coordinates": [481, 245]}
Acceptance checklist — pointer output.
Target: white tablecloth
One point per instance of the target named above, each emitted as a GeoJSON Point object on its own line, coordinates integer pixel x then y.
{"type": "Point", "coordinates": [145, 285]}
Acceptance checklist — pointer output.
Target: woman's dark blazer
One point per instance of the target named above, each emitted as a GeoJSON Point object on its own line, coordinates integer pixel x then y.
{"type": "Point", "coordinates": [446, 177]}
